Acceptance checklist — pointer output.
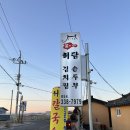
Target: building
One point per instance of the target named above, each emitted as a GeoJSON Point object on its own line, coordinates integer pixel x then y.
{"type": "Point", "coordinates": [120, 112]}
{"type": "Point", "coordinates": [100, 114]}
{"type": "Point", "coordinates": [3, 116]}
{"type": "Point", "coordinates": [3, 110]}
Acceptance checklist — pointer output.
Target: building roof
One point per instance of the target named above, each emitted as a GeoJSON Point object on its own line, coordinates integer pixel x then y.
{"type": "Point", "coordinates": [4, 108]}
{"type": "Point", "coordinates": [95, 100]}
{"type": "Point", "coordinates": [123, 101]}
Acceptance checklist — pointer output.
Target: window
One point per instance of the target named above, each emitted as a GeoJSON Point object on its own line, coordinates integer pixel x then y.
{"type": "Point", "coordinates": [118, 112]}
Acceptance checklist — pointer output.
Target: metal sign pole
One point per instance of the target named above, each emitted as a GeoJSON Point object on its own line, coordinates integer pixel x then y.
{"type": "Point", "coordinates": [89, 88]}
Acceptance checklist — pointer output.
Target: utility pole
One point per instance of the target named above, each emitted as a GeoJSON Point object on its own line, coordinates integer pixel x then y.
{"type": "Point", "coordinates": [11, 103]}
{"type": "Point", "coordinates": [20, 107]}
{"type": "Point", "coordinates": [18, 61]}
{"type": "Point", "coordinates": [88, 87]}
{"type": "Point", "coordinates": [22, 113]}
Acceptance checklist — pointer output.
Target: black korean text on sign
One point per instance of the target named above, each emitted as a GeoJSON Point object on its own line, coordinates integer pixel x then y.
{"type": "Point", "coordinates": [75, 55]}
{"type": "Point", "coordinates": [66, 85]}
{"type": "Point", "coordinates": [66, 77]}
{"type": "Point", "coordinates": [75, 76]}
{"type": "Point", "coordinates": [65, 68]}
{"type": "Point", "coordinates": [74, 69]}
{"type": "Point", "coordinates": [66, 55]}
{"type": "Point", "coordinates": [75, 85]}
{"type": "Point", "coordinates": [56, 93]}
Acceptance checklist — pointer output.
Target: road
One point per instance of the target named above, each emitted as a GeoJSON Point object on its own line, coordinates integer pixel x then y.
{"type": "Point", "coordinates": [35, 125]}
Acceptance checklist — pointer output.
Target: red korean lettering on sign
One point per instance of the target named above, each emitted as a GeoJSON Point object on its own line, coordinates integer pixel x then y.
{"type": "Point", "coordinates": [69, 45]}
{"type": "Point", "coordinates": [56, 104]}
{"type": "Point", "coordinates": [55, 118]}
{"type": "Point", "coordinates": [54, 128]}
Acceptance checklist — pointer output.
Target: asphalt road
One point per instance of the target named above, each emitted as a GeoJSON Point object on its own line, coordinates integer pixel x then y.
{"type": "Point", "coordinates": [35, 125]}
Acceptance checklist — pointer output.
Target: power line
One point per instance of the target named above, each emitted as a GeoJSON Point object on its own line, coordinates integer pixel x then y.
{"type": "Point", "coordinates": [103, 89]}
{"type": "Point", "coordinates": [5, 48]}
{"type": "Point", "coordinates": [105, 80]}
{"type": "Point", "coordinates": [44, 71]}
{"type": "Point", "coordinates": [8, 83]}
{"type": "Point", "coordinates": [8, 74]}
{"type": "Point", "coordinates": [101, 75]}
{"type": "Point", "coordinates": [36, 88]}
{"type": "Point", "coordinates": [4, 57]}
{"type": "Point", "coordinates": [68, 15]}
{"type": "Point", "coordinates": [6, 99]}
{"type": "Point", "coordinates": [9, 26]}
{"type": "Point", "coordinates": [84, 51]}
{"type": "Point", "coordinates": [8, 35]}
{"type": "Point", "coordinates": [39, 100]}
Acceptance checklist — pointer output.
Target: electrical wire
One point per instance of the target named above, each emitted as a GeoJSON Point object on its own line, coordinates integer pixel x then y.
{"type": "Point", "coordinates": [105, 80]}
{"type": "Point", "coordinates": [38, 68]}
{"type": "Point", "coordinates": [18, 46]}
{"type": "Point", "coordinates": [8, 83]}
{"type": "Point", "coordinates": [103, 89]}
{"type": "Point", "coordinates": [26, 100]}
{"type": "Point", "coordinates": [44, 71]}
{"type": "Point", "coordinates": [8, 23]}
{"type": "Point", "coordinates": [24, 85]}
{"type": "Point", "coordinates": [5, 99]}
{"type": "Point", "coordinates": [68, 16]}
{"type": "Point", "coordinates": [39, 100]}
{"type": "Point", "coordinates": [36, 88]}
{"type": "Point", "coordinates": [8, 74]}
{"type": "Point", "coordinates": [8, 35]}
{"type": "Point", "coordinates": [4, 57]}
{"type": "Point", "coordinates": [84, 51]}
{"type": "Point", "coordinates": [102, 76]}
{"type": "Point", "coordinates": [9, 26]}
{"type": "Point", "coordinates": [5, 48]}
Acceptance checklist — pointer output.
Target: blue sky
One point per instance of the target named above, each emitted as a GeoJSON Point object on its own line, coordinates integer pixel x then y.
{"type": "Point", "coordinates": [37, 25]}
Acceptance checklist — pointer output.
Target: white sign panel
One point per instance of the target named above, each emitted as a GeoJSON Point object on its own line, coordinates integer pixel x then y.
{"type": "Point", "coordinates": [23, 105]}
{"type": "Point", "coordinates": [70, 70]}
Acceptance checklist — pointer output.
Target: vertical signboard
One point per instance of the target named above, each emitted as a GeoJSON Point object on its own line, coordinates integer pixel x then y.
{"type": "Point", "coordinates": [70, 79]}
{"type": "Point", "coordinates": [58, 114]}
{"type": "Point", "coordinates": [23, 105]}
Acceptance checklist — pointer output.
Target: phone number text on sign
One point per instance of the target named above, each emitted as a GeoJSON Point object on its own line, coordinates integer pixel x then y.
{"type": "Point", "coordinates": [71, 101]}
